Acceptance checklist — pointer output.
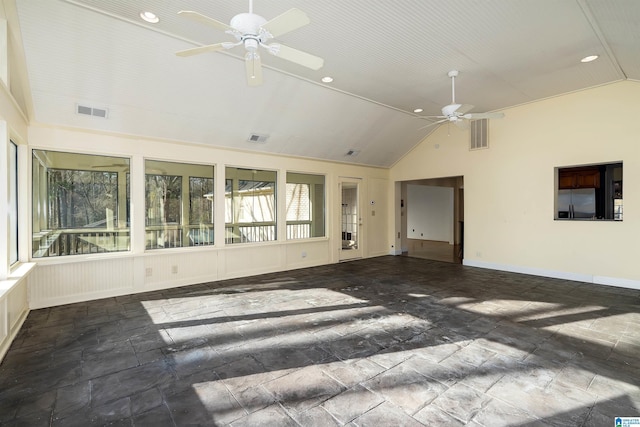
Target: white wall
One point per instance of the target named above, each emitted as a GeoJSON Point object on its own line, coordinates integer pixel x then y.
{"type": "Point", "coordinates": [509, 188]}
{"type": "Point", "coordinates": [430, 213]}
{"type": "Point", "coordinates": [376, 216]}
{"type": "Point", "coordinates": [13, 278]}
{"type": "Point", "coordinates": [83, 277]}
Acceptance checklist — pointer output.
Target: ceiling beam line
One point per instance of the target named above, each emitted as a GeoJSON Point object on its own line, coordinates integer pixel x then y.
{"type": "Point", "coordinates": [603, 41]}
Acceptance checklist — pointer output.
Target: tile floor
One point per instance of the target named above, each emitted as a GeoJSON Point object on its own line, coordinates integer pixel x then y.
{"type": "Point", "coordinates": [389, 341]}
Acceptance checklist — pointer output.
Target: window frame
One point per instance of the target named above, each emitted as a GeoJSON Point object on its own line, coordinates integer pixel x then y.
{"type": "Point", "coordinates": [317, 226]}
{"type": "Point", "coordinates": [76, 242]}
{"type": "Point", "coordinates": [573, 185]}
{"type": "Point", "coordinates": [13, 171]}
{"type": "Point", "coordinates": [182, 234]}
{"type": "Point", "coordinates": [250, 232]}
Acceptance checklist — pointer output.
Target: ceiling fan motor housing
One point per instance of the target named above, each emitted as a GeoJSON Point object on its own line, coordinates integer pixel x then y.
{"type": "Point", "coordinates": [247, 24]}
{"type": "Point", "coordinates": [449, 110]}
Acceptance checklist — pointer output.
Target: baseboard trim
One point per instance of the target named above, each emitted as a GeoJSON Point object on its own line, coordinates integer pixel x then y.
{"type": "Point", "coordinates": [578, 277]}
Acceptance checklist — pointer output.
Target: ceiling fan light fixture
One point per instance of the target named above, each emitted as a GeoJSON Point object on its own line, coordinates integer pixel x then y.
{"type": "Point", "coordinates": [251, 44]}
{"type": "Point", "coordinates": [149, 17]}
{"type": "Point", "coordinates": [589, 58]}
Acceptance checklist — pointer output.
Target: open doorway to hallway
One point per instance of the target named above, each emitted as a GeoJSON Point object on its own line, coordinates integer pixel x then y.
{"type": "Point", "coordinates": [432, 219]}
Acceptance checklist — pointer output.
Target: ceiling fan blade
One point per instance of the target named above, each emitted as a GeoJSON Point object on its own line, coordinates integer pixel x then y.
{"type": "Point", "coordinates": [430, 117]}
{"type": "Point", "coordinates": [290, 20]}
{"type": "Point", "coordinates": [198, 17]}
{"type": "Point", "coordinates": [204, 49]}
{"type": "Point", "coordinates": [464, 108]}
{"type": "Point", "coordinates": [434, 123]}
{"type": "Point", "coordinates": [294, 55]}
{"type": "Point", "coordinates": [478, 116]}
{"type": "Point", "coordinates": [253, 66]}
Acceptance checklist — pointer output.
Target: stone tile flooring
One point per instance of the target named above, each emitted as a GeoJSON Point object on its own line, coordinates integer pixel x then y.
{"type": "Point", "coordinates": [389, 341]}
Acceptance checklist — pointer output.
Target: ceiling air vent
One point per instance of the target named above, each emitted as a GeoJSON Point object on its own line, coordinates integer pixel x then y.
{"type": "Point", "coordinates": [479, 134]}
{"type": "Point", "coordinates": [257, 138]}
{"type": "Point", "coordinates": [352, 153]}
{"type": "Point", "coordinates": [90, 111]}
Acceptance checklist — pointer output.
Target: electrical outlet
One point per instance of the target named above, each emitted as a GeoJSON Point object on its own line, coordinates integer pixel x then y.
{"type": "Point", "coordinates": [174, 269]}
{"type": "Point", "coordinates": [149, 272]}
{"type": "Point", "coordinates": [304, 254]}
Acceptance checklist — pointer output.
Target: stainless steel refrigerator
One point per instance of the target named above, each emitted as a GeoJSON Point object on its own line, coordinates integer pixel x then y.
{"type": "Point", "coordinates": [578, 203]}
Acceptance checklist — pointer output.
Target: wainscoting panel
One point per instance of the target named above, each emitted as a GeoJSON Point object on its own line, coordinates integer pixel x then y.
{"type": "Point", "coordinates": [68, 282]}
{"type": "Point", "coordinates": [307, 254]}
{"type": "Point", "coordinates": [163, 270]}
{"type": "Point", "coordinates": [5, 342]}
{"type": "Point", "coordinates": [246, 260]}
{"type": "Point", "coordinates": [17, 305]}
{"type": "Point", "coordinates": [14, 308]}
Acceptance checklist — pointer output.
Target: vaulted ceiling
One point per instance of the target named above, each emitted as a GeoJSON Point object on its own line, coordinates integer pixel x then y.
{"type": "Point", "coordinates": [386, 58]}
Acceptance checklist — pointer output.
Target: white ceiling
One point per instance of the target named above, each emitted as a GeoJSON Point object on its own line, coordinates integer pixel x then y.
{"type": "Point", "coordinates": [386, 58]}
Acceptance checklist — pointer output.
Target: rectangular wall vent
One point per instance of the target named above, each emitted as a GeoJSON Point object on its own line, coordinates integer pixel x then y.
{"type": "Point", "coordinates": [479, 134]}
{"type": "Point", "coordinates": [90, 111]}
{"type": "Point", "coordinates": [257, 138]}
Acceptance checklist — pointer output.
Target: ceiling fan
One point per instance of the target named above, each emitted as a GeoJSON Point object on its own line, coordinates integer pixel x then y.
{"type": "Point", "coordinates": [458, 113]}
{"type": "Point", "coordinates": [253, 31]}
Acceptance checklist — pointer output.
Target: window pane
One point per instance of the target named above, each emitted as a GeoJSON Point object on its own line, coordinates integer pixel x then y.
{"type": "Point", "coordinates": [200, 200]}
{"type": "Point", "coordinates": [79, 204]}
{"type": "Point", "coordinates": [228, 205]}
{"type": "Point", "coordinates": [179, 204]}
{"type": "Point", "coordinates": [298, 202]}
{"type": "Point", "coordinates": [250, 205]}
{"type": "Point", "coordinates": [13, 203]}
{"type": "Point", "coordinates": [305, 206]}
{"type": "Point", "coordinates": [163, 199]}
{"type": "Point", "coordinates": [81, 199]}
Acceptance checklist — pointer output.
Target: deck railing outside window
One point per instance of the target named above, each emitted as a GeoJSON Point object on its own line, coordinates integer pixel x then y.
{"type": "Point", "coordinates": [79, 241]}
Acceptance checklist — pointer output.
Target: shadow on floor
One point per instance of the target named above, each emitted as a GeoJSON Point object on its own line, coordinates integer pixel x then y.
{"type": "Point", "coordinates": [389, 340]}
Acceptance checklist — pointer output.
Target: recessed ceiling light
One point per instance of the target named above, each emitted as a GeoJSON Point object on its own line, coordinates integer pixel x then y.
{"type": "Point", "coordinates": [589, 58]}
{"type": "Point", "coordinates": [149, 17]}
{"type": "Point", "coordinates": [418, 110]}
{"type": "Point", "coordinates": [327, 79]}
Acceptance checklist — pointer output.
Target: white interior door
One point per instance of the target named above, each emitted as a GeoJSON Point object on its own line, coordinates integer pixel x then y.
{"type": "Point", "coordinates": [350, 219]}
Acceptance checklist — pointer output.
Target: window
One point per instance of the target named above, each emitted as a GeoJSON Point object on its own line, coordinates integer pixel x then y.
{"type": "Point", "coordinates": [589, 192]}
{"type": "Point", "coordinates": [305, 206]}
{"type": "Point", "coordinates": [179, 204]}
{"type": "Point", "coordinates": [13, 203]}
{"type": "Point", "coordinates": [79, 204]}
{"type": "Point", "coordinates": [250, 205]}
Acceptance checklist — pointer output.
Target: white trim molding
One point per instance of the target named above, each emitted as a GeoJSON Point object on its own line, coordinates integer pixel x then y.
{"type": "Point", "coordinates": [14, 306]}
{"type": "Point", "coordinates": [578, 277]}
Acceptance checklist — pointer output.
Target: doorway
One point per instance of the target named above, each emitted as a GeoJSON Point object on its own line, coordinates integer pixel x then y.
{"type": "Point", "coordinates": [350, 219]}
{"type": "Point", "coordinates": [432, 218]}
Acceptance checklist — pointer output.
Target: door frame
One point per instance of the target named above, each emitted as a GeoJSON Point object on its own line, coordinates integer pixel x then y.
{"type": "Point", "coordinates": [350, 254]}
